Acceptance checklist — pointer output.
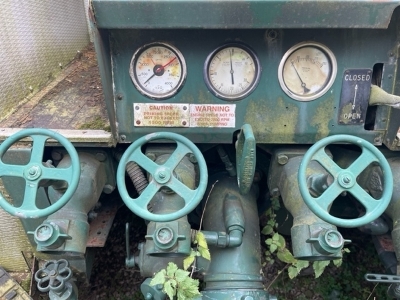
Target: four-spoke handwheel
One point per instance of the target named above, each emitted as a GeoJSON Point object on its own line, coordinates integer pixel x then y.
{"type": "Point", "coordinates": [345, 180]}
{"type": "Point", "coordinates": [162, 176]}
{"type": "Point", "coordinates": [35, 171]}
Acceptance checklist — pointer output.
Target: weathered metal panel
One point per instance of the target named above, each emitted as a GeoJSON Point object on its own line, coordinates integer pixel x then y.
{"type": "Point", "coordinates": [37, 39]}
{"type": "Point", "coordinates": [243, 14]}
{"type": "Point", "coordinates": [13, 243]}
{"type": "Point", "coordinates": [274, 116]}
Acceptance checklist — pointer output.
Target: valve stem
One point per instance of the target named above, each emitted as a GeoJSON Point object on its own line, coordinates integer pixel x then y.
{"type": "Point", "coordinates": [225, 159]}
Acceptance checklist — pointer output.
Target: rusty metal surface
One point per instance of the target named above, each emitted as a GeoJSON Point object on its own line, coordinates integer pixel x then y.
{"type": "Point", "coordinates": [10, 289]}
{"type": "Point", "coordinates": [243, 14]}
{"type": "Point", "coordinates": [101, 225]}
{"type": "Point", "coordinates": [13, 241]}
{"type": "Point", "coordinates": [37, 39]}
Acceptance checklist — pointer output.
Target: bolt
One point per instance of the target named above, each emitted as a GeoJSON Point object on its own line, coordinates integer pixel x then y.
{"type": "Point", "coordinates": [282, 159]}
{"type": "Point", "coordinates": [247, 297]}
{"type": "Point", "coordinates": [32, 171]}
{"type": "Point", "coordinates": [108, 189]}
{"type": "Point", "coordinates": [137, 122]}
{"type": "Point", "coordinates": [100, 156]}
{"type": "Point", "coordinates": [123, 137]}
{"type": "Point", "coordinates": [184, 123]}
{"type": "Point", "coordinates": [346, 179]}
{"type": "Point", "coordinates": [390, 76]}
{"type": "Point", "coordinates": [161, 175]}
{"type": "Point", "coordinates": [149, 296]}
{"type": "Point", "coordinates": [137, 107]}
{"type": "Point", "coordinates": [185, 107]}
{"type": "Point", "coordinates": [120, 97]}
{"type": "Point", "coordinates": [275, 192]}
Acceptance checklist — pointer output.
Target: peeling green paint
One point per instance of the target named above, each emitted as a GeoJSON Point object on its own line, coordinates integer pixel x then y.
{"type": "Point", "coordinates": [280, 124]}
{"type": "Point", "coordinates": [322, 118]}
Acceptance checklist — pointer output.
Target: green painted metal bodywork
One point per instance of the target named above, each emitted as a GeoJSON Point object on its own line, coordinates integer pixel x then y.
{"type": "Point", "coordinates": [249, 14]}
{"type": "Point", "coordinates": [274, 116]}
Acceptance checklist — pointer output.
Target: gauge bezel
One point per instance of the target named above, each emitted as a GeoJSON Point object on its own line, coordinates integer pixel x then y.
{"type": "Point", "coordinates": [140, 87]}
{"type": "Point", "coordinates": [328, 84]}
{"type": "Point", "coordinates": [252, 85]}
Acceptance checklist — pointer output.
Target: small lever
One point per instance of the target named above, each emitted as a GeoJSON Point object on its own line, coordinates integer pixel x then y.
{"type": "Point", "coordinates": [129, 260]}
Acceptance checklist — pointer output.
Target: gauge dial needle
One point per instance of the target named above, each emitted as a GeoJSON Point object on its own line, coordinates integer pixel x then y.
{"type": "Point", "coordinates": [303, 85]}
{"type": "Point", "coordinates": [159, 70]}
{"type": "Point", "coordinates": [230, 58]}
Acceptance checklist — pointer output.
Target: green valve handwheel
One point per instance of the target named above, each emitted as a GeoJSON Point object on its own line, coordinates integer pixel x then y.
{"type": "Point", "coordinates": [345, 180]}
{"type": "Point", "coordinates": [162, 176]}
{"type": "Point", "coordinates": [35, 171]}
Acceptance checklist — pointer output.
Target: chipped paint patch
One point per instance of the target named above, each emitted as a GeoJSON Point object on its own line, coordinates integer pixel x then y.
{"type": "Point", "coordinates": [322, 118]}
{"type": "Point", "coordinates": [272, 123]}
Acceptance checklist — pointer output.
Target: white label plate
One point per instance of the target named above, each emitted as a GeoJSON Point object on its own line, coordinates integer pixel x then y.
{"type": "Point", "coordinates": [184, 115]}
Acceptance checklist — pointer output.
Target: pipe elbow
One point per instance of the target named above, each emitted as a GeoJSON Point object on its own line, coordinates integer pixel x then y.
{"type": "Point", "coordinates": [235, 238]}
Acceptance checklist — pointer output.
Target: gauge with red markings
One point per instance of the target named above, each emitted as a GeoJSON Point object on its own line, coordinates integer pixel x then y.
{"type": "Point", "coordinates": [158, 70]}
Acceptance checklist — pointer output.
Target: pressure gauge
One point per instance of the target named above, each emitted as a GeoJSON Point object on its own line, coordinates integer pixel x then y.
{"type": "Point", "coordinates": [158, 70]}
{"type": "Point", "coordinates": [307, 71]}
{"type": "Point", "coordinates": [232, 71]}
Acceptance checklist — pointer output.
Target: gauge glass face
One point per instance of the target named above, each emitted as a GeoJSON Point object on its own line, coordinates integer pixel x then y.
{"type": "Point", "coordinates": [232, 72]}
{"type": "Point", "coordinates": [158, 70]}
{"type": "Point", "coordinates": [307, 71]}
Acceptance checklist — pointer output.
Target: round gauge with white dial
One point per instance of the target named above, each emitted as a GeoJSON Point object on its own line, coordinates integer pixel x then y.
{"type": "Point", "coordinates": [307, 71]}
{"type": "Point", "coordinates": [232, 71]}
{"type": "Point", "coordinates": [158, 70]}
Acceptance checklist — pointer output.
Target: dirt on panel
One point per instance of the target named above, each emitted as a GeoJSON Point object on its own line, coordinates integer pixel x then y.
{"type": "Point", "coordinates": [73, 100]}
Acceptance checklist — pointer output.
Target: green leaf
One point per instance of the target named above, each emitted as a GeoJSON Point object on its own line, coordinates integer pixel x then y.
{"type": "Point", "coordinates": [346, 250]}
{"type": "Point", "coordinates": [181, 275]}
{"type": "Point", "coordinates": [271, 223]}
{"type": "Point", "coordinates": [292, 272]}
{"type": "Point", "coordinates": [337, 262]}
{"type": "Point", "coordinates": [282, 242]}
{"type": "Point", "coordinates": [301, 264]}
{"type": "Point", "coordinates": [285, 256]}
{"type": "Point", "coordinates": [268, 241]}
{"type": "Point", "coordinates": [267, 230]}
{"type": "Point", "coordinates": [187, 262]}
{"type": "Point", "coordinates": [201, 240]}
{"type": "Point", "coordinates": [319, 267]}
{"type": "Point", "coordinates": [169, 290]}
{"type": "Point", "coordinates": [204, 252]}
{"type": "Point", "coordinates": [171, 269]}
{"type": "Point", "coordinates": [190, 288]}
{"type": "Point", "coordinates": [275, 237]}
{"type": "Point", "coordinates": [273, 248]}
{"type": "Point", "coordinates": [159, 278]}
